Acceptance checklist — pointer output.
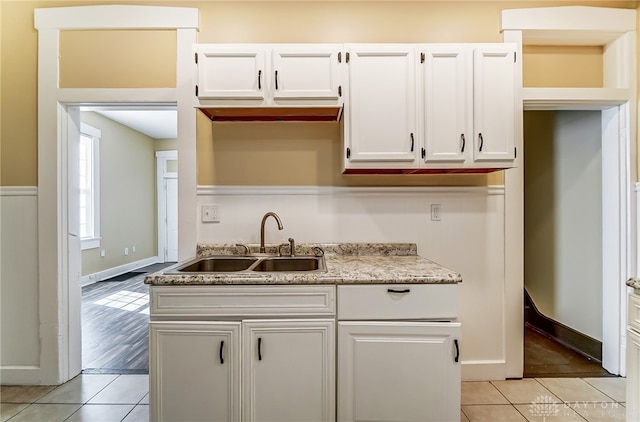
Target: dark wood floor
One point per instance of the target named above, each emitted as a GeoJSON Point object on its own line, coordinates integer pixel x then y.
{"type": "Point", "coordinates": [115, 317]}
{"type": "Point", "coordinates": [544, 357]}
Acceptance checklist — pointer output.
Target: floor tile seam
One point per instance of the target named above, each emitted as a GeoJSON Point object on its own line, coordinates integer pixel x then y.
{"type": "Point", "coordinates": [603, 392]}
{"type": "Point", "coordinates": [541, 385]}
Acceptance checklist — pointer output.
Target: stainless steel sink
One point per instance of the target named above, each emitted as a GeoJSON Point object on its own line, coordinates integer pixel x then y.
{"type": "Point", "coordinates": [262, 264]}
{"type": "Point", "coordinates": [217, 264]}
{"type": "Point", "coordinates": [290, 264]}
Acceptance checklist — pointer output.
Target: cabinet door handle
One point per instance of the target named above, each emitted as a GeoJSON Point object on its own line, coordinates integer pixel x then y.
{"type": "Point", "coordinates": [412, 142]}
{"type": "Point", "coordinates": [221, 350]}
{"type": "Point", "coordinates": [259, 348]}
{"type": "Point", "coordinates": [276, 79]}
{"type": "Point", "coordinates": [259, 79]}
{"type": "Point", "coordinates": [457, 356]}
{"type": "Point", "coordinates": [464, 141]}
{"type": "Point", "coordinates": [481, 141]}
{"type": "Point", "coordinates": [398, 291]}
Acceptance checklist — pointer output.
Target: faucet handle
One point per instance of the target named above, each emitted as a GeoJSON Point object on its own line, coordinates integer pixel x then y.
{"type": "Point", "coordinates": [246, 248]}
{"type": "Point", "coordinates": [292, 243]}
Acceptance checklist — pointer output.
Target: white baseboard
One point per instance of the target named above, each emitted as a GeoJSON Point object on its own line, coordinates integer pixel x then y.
{"type": "Point", "coordinates": [20, 375]}
{"type": "Point", "coordinates": [484, 370]}
{"type": "Point", "coordinates": [115, 271]}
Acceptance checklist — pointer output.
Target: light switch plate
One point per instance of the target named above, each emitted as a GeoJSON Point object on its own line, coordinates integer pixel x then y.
{"type": "Point", "coordinates": [210, 214]}
{"type": "Point", "coordinates": [435, 212]}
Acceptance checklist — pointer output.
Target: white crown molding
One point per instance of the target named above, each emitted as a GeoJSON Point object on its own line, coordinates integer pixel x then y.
{"type": "Point", "coordinates": [18, 191]}
{"type": "Point", "coordinates": [206, 190]}
{"type": "Point", "coordinates": [116, 17]}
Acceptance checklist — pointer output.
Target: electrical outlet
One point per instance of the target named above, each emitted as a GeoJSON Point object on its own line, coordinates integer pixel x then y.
{"type": "Point", "coordinates": [435, 212]}
{"type": "Point", "coordinates": [126, 251]}
{"type": "Point", "coordinates": [133, 249]}
{"type": "Point", "coordinates": [102, 253]}
{"type": "Point", "coordinates": [210, 214]}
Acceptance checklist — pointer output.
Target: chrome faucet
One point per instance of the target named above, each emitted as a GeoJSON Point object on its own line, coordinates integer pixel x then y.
{"type": "Point", "coordinates": [264, 219]}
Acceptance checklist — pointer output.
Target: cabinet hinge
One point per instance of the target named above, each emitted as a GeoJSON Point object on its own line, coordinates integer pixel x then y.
{"type": "Point", "coordinates": [196, 54]}
{"type": "Point", "coordinates": [422, 57]}
{"type": "Point", "coordinates": [340, 91]}
{"type": "Point", "coordinates": [339, 56]}
{"type": "Point", "coordinates": [348, 153]}
{"type": "Point", "coordinates": [347, 57]}
{"type": "Point", "coordinates": [196, 90]}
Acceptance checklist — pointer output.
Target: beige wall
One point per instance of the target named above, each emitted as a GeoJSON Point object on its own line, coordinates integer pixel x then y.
{"type": "Point", "coordinates": [127, 196]}
{"type": "Point", "coordinates": [239, 21]}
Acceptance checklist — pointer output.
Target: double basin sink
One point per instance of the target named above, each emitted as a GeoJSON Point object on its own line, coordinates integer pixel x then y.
{"type": "Point", "coordinates": [261, 264]}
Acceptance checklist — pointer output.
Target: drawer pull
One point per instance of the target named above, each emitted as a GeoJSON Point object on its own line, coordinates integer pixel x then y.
{"type": "Point", "coordinates": [221, 349]}
{"type": "Point", "coordinates": [398, 291]}
{"type": "Point", "coordinates": [259, 348]}
{"type": "Point", "coordinates": [457, 357]}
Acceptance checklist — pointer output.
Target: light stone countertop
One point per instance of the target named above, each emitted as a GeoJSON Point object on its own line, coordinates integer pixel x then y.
{"type": "Point", "coordinates": [634, 282]}
{"type": "Point", "coordinates": [347, 263]}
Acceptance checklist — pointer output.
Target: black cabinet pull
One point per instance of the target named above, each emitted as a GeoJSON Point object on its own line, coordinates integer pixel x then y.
{"type": "Point", "coordinates": [424, 153]}
{"type": "Point", "coordinates": [457, 357]}
{"type": "Point", "coordinates": [412, 142]}
{"type": "Point", "coordinates": [221, 349]}
{"type": "Point", "coordinates": [464, 141]}
{"type": "Point", "coordinates": [348, 153]}
{"type": "Point", "coordinates": [259, 79]}
{"type": "Point", "coordinates": [259, 348]}
{"type": "Point", "coordinates": [276, 79]}
{"type": "Point", "coordinates": [481, 141]}
{"type": "Point", "coordinates": [398, 291]}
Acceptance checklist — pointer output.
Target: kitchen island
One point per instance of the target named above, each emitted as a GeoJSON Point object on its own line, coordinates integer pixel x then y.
{"type": "Point", "coordinates": [374, 337]}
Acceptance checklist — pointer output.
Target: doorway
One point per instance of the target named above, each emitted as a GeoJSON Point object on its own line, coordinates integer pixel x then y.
{"type": "Point", "coordinates": [566, 162]}
{"type": "Point", "coordinates": [126, 208]}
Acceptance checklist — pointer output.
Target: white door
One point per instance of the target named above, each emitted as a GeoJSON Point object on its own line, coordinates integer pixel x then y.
{"type": "Point", "coordinates": [306, 72]}
{"type": "Point", "coordinates": [380, 123]}
{"type": "Point", "coordinates": [204, 356]}
{"type": "Point", "coordinates": [398, 371]}
{"type": "Point", "coordinates": [231, 72]}
{"type": "Point", "coordinates": [171, 204]}
{"type": "Point", "coordinates": [447, 109]}
{"type": "Point", "coordinates": [494, 102]}
{"type": "Point", "coordinates": [289, 371]}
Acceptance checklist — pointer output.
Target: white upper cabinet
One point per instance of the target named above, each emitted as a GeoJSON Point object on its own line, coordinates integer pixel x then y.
{"type": "Point", "coordinates": [380, 111]}
{"type": "Point", "coordinates": [231, 72]}
{"type": "Point", "coordinates": [494, 103]}
{"type": "Point", "coordinates": [447, 103]}
{"type": "Point", "coordinates": [469, 105]}
{"type": "Point", "coordinates": [269, 74]}
{"type": "Point", "coordinates": [306, 72]}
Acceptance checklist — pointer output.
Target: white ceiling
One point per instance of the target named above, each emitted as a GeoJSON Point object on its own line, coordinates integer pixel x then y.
{"type": "Point", "coordinates": [158, 124]}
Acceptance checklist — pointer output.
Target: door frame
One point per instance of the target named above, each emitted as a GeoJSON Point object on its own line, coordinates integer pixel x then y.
{"type": "Point", "coordinates": [161, 174]}
{"type": "Point", "coordinates": [615, 30]}
{"type": "Point", "coordinates": [58, 290]}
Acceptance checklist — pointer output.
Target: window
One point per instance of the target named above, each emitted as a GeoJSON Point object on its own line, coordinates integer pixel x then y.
{"type": "Point", "coordinates": [89, 160]}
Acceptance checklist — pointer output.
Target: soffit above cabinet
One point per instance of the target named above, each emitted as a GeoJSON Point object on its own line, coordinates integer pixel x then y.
{"type": "Point", "coordinates": [272, 114]}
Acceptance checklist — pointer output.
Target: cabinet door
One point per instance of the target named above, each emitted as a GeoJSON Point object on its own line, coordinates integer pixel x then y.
{"type": "Point", "coordinates": [494, 102]}
{"type": "Point", "coordinates": [289, 370]}
{"type": "Point", "coordinates": [203, 356]}
{"type": "Point", "coordinates": [633, 375]}
{"type": "Point", "coordinates": [380, 120]}
{"type": "Point", "coordinates": [398, 371]}
{"type": "Point", "coordinates": [228, 72]}
{"type": "Point", "coordinates": [306, 72]}
{"type": "Point", "coordinates": [447, 103]}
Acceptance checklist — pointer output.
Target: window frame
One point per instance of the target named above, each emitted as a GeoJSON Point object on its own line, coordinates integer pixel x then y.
{"type": "Point", "coordinates": [93, 242]}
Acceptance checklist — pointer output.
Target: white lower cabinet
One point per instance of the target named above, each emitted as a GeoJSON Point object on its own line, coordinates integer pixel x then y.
{"type": "Point", "coordinates": [398, 371]}
{"type": "Point", "coordinates": [194, 371]}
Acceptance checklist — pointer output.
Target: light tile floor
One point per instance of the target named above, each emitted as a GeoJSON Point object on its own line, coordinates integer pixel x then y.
{"type": "Point", "coordinates": [85, 398]}
{"type": "Point", "coordinates": [98, 397]}
{"type": "Point", "coordinates": [544, 399]}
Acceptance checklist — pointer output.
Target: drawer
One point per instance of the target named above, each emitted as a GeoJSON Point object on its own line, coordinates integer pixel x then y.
{"type": "Point", "coordinates": [398, 301]}
{"type": "Point", "coordinates": [242, 301]}
{"type": "Point", "coordinates": [634, 311]}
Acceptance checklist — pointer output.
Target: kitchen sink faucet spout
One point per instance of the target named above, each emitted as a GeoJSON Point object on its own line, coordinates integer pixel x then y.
{"type": "Point", "coordinates": [264, 219]}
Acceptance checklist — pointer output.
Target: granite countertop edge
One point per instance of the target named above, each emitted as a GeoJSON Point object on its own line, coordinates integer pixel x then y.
{"type": "Point", "coordinates": [347, 263]}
